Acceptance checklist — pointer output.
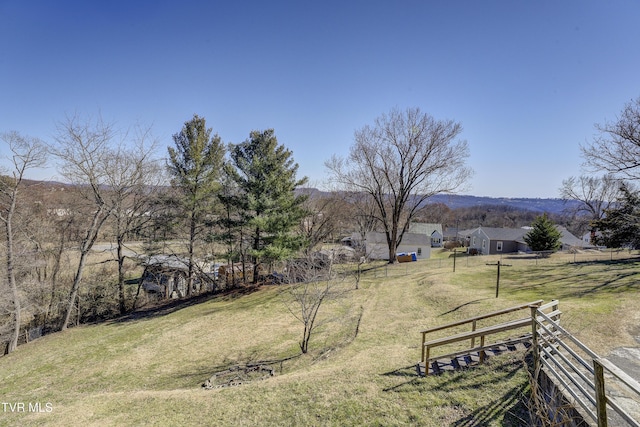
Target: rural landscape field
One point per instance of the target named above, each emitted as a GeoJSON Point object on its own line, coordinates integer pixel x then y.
{"type": "Point", "coordinates": [319, 214]}
{"type": "Point", "coordinates": [148, 368]}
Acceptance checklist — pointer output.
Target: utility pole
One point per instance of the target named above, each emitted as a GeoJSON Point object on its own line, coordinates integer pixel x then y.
{"type": "Point", "coordinates": [499, 264]}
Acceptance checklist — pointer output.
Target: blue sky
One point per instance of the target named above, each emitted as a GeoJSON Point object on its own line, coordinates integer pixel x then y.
{"type": "Point", "coordinates": [527, 79]}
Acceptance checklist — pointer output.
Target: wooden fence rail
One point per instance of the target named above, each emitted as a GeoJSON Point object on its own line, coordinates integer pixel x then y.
{"type": "Point", "coordinates": [474, 333]}
{"type": "Point", "coordinates": [584, 378]}
{"type": "Point", "coordinates": [579, 371]}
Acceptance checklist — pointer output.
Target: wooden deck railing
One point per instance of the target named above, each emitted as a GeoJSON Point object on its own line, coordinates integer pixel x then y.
{"type": "Point", "coordinates": [474, 333]}
{"type": "Point", "coordinates": [586, 379]}
{"type": "Point", "coordinates": [579, 371]}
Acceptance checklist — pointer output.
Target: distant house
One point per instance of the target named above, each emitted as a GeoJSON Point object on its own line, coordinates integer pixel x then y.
{"type": "Point", "coordinates": [450, 234]}
{"type": "Point", "coordinates": [491, 241]}
{"type": "Point", "coordinates": [569, 241]}
{"type": "Point", "coordinates": [376, 246]}
{"type": "Point", "coordinates": [166, 276]}
{"type": "Point", "coordinates": [434, 231]}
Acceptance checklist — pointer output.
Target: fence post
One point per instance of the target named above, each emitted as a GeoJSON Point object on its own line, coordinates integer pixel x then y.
{"type": "Point", "coordinates": [534, 341]}
{"type": "Point", "coordinates": [473, 329]}
{"type": "Point", "coordinates": [601, 398]}
{"type": "Point", "coordinates": [454, 259]}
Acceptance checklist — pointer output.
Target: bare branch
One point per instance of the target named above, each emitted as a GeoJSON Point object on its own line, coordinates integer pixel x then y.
{"type": "Point", "coordinates": [404, 159]}
{"type": "Point", "coordinates": [616, 149]}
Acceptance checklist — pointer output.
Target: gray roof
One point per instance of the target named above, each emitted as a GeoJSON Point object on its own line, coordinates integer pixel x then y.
{"type": "Point", "coordinates": [425, 228]}
{"type": "Point", "coordinates": [170, 262]}
{"type": "Point", "coordinates": [517, 235]}
{"type": "Point", "coordinates": [407, 238]}
{"type": "Point", "coordinates": [512, 234]}
{"type": "Point", "coordinates": [467, 232]}
{"type": "Point", "coordinates": [569, 239]}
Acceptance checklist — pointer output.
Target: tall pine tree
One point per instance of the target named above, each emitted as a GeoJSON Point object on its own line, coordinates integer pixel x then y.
{"type": "Point", "coordinates": [195, 165]}
{"type": "Point", "coordinates": [544, 236]}
{"type": "Point", "coordinates": [620, 226]}
{"type": "Point", "coordinates": [265, 174]}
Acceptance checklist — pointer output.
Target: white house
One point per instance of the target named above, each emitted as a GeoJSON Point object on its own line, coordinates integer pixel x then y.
{"type": "Point", "coordinates": [376, 246]}
{"type": "Point", "coordinates": [434, 231]}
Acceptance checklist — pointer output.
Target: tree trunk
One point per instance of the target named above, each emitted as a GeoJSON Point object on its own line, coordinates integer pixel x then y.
{"type": "Point", "coordinates": [391, 241]}
{"type": "Point", "coordinates": [73, 295]}
{"type": "Point", "coordinates": [87, 244]}
{"type": "Point", "coordinates": [256, 246]}
{"type": "Point", "coordinates": [192, 238]}
{"type": "Point", "coordinates": [11, 276]}
{"type": "Point", "coordinates": [54, 275]}
{"type": "Point", "coordinates": [121, 294]}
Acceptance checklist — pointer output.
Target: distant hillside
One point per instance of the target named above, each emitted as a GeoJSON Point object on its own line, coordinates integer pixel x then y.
{"type": "Point", "coordinates": [551, 206]}
{"type": "Point", "coordinates": [455, 201]}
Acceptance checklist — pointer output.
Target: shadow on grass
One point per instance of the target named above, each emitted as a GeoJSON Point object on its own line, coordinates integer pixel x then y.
{"type": "Point", "coordinates": [163, 308]}
{"type": "Point", "coordinates": [611, 285]}
{"type": "Point", "coordinates": [507, 408]}
{"type": "Point", "coordinates": [619, 274]}
{"type": "Point", "coordinates": [462, 305]}
{"type": "Point", "coordinates": [511, 407]}
{"type": "Point", "coordinates": [406, 372]}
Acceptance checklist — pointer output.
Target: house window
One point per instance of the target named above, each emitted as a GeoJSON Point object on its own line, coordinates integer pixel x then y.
{"type": "Point", "coordinates": [499, 246]}
{"type": "Point", "coordinates": [419, 251]}
{"type": "Point", "coordinates": [474, 241]}
{"type": "Point", "coordinates": [484, 243]}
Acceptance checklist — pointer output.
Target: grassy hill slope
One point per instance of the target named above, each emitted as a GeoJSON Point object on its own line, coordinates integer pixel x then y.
{"type": "Point", "coordinates": [148, 369]}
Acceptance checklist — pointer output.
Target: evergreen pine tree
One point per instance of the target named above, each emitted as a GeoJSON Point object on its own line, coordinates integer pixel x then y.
{"type": "Point", "coordinates": [544, 236]}
{"type": "Point", "coordinates": [265, 173]}
{"type": "Point", "coordinates": [620, 226]}
{"type": "Point", "coordinates": [195, 165]}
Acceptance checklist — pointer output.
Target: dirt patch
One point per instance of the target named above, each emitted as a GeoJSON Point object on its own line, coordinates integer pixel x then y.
{"type": "Point", "coordinates": [238, 375]}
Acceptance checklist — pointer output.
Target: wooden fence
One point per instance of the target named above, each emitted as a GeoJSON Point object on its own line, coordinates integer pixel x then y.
{"type": "Point", "coordinates": [474, 333]}
{"type": "Point", "coordinates": [586, 379]}
{"type": "Point", "coordinates": [592, 386]}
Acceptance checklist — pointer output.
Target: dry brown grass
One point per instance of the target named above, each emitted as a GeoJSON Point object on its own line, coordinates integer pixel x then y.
{"type": "Point", "coordinates": [149, 370]}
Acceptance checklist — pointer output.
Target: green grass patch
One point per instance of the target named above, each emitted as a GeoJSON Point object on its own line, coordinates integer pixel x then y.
{"type": "Point", "coordinates": [148, 370]}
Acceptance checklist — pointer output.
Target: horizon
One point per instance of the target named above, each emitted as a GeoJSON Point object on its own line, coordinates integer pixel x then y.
{"type": "Point", "coordinates": [52, 180]}
{"type": "Point", "coordinates": [527, 81]}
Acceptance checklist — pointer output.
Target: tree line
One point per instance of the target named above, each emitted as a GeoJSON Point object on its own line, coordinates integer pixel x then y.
{"type": "Point", "coordinates": [237, 196]}
{"type": "Point", "coordinates": [244, 203]}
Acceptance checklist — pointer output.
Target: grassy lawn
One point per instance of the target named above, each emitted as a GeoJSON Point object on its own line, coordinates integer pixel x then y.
{"type": "Point", "coordinates": [148, 370]}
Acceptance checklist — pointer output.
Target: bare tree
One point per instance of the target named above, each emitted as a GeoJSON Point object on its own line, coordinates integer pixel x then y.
{"type": "Point", "coordinates": [326, 212]}
{"type": "Point", "coordinates": [363, 210]}
{"type": "Point", "coordinates": [82, 146]}
{"type": "Point", "coordinates": [402, 160]}
{"type": "Point", "coordinates": [26, 153]}
{"type": "Point", "coordinates": [130, 176]}
{"type": "Point", "coordinates": [595, 194]}
{"type": "Point", "coordinates": [616, 150]}
{"type": "Point", "coordinates": [313, 285]}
